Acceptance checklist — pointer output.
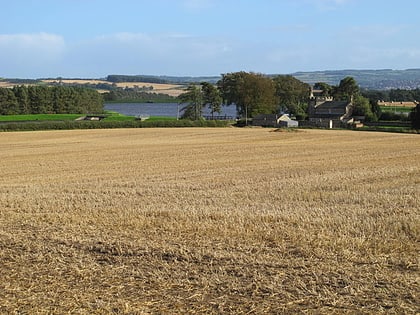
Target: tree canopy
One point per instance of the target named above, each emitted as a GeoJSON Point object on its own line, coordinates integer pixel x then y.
{"type": "Point", "coordinates": [37, 99]}
{"type": "Point", "coordinates": [346, 89]}
{"type": "Point", "coordinates": [292, 95]}
{"type": "Point", "coordinates": [193, 97]}
{"type": "Point", "coordinates": [252, 93]}
{"type": "Point", "coordinates": [211, 97]}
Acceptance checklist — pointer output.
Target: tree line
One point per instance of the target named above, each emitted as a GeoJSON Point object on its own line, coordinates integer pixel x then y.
{"type": "Point", "coordinates": [37, 99]}
{"type": "Point", "coordinates": [254, 93]}
{"type": "Point", "coordinates": [143, 94]}
{"type": "Point", "coordinates": [118, 78]}
{"type": "Point", "coordinates": [395, 95]}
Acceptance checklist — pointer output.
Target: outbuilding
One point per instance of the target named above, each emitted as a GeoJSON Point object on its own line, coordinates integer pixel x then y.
{"type": "Point", "coordinates": [273, 120]}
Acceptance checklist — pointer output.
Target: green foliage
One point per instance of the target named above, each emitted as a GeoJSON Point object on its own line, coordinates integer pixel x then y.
{"type": "Point", "coordinates": [395, 95]}
{"type": "Point", "coordinates": [68, 125]}
{"type": "Point", "coordinates": [347, 89]}
{"type": "Point", "coordinates": [37, 99]}
{"type": "Point", "coordinates": [8, 102]}
{"type": "Point", "coordinates": [138, 95]}
{"type": "Point", "coordinates": [116, 78]}
{"type": "Point", "coordinates": [211, 97]}
{"type": "Point", "coordinates": [362, 107]}
{"type": "Point", "coordinates": [292, 95]}
{"type": "Point", "coordinates": [252, 93]}
{"type": "Point", "coordinates": [324, 87]}
{"type": "Point", "coordinates": [38, 117]}
{"type": "Point", "coordinates": [193, 97]}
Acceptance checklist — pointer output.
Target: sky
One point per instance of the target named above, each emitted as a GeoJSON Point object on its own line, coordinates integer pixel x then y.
{"type": "Point", "coordinates": [95, 38]}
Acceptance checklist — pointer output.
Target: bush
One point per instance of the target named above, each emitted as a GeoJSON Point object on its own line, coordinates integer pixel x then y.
{"type": "Point", "coordinates": [68, 125]}
{"type": "Point", "coordinates": [415, 117]}
{"type": "Point", "coordinates": [391, 116]}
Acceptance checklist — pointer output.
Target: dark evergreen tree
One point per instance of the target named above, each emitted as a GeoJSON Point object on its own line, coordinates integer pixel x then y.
{"type": "Point", "coordinates": [8, 102]}
{"type": "Point", "coordinates": [21, 94]}
{"type": "Point", "coordinates": [415, 117]}
{"type": "Point", "coordinates": [36, 99]}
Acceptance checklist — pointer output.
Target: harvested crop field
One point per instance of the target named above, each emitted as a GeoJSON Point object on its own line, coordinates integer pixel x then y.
{"type": "Point", "coordinates": [209, 221]}
{"type": "Point", "coordinates": [164, 88]}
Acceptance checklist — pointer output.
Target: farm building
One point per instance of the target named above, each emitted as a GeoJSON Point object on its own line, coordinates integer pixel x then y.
{"type": "Point", "coordinates": [92, 117]}
{"type": "Point", "coordinates": [397, 104]}
{"type": "Point", "coordinates": [273, 120]}
{"type": "Point", "coordinates": [326, 112]}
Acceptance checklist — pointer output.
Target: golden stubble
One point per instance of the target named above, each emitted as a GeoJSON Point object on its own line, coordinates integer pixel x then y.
{"type": "Point", "coordinates": [199, 220]}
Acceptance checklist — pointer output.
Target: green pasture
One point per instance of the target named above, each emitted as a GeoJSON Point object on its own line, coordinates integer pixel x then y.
{"type": "Point", "coordinates": [39, 117]}
{"type": "Point", "coordinates": [400, 109]}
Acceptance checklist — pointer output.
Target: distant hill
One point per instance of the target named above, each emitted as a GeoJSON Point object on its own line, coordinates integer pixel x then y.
{"type": "Point", "coordinates": [385, 79]}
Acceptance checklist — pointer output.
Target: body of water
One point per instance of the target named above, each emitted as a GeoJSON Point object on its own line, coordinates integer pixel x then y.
{"type": "Point", "coordinates": [160, 109]}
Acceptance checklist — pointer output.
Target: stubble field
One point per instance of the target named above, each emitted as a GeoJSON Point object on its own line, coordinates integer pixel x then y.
{"type": "Point", "coordinates": [209, 221]}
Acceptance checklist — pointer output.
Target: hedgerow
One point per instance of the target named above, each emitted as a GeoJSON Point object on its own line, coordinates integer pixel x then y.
{"type": "Point", "coordinates": [68, 125]}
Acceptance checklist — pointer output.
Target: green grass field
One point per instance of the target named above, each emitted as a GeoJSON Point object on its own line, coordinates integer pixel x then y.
{"type": "Point", "coordinates": [396, 109]}
{"type": "Point", "coordinates": [38, 117]}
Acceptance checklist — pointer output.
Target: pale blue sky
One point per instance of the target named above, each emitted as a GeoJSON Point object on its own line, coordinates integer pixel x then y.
{"type": "Point", "coordinates": [94, 38]}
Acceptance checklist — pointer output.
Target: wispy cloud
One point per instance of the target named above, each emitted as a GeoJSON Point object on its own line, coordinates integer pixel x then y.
{"type": "Point", "coordinates": [30, 53]}
{"type": "Point", "coordinates": [41, 42]}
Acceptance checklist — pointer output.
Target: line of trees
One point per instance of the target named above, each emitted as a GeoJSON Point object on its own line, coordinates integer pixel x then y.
{"type": "Point", "coordinates": [143, 94]}
{"type": "Point", "coordinates": [38, 99]}
{"type": "Point", "coordinates": [118, 78]}
{"type": "Point", "coordinates": [396, 95]}
{"type": "Point", "coordinates": [254, 94]}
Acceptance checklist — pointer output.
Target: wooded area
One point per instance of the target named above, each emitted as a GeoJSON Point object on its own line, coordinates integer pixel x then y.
{"type": "Point", "coordinates": [36, 99]}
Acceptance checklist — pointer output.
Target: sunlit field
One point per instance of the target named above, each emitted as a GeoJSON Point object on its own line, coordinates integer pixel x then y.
{"type": "Point", "coordinates": [209, 221]}
{"type": "Point", "coordinates": [165, 88]}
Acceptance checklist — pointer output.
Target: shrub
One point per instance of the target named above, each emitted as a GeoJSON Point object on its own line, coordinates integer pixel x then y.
{"type": "Point", "coordinates": [415, 117]}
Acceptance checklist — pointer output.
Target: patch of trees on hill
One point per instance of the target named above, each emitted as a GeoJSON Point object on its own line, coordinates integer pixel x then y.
{"type": "Point", "coordinates": [38, 99]}
{"type": "Point", "coordinates": [117, 78]}
{"type": "Point", "coordinates": [136, 95]}
{"type": "Point", "coordinates": [394, 95]}
{"type": "Point", "coordinates": [164, 79]}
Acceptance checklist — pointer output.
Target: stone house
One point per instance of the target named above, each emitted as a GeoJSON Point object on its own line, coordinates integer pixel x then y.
{"type": "Point", "coordinates": [326, 112]}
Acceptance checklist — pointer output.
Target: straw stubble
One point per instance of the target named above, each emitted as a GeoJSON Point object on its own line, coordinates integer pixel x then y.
{"type": "Point", "coordinates": [145, 221]}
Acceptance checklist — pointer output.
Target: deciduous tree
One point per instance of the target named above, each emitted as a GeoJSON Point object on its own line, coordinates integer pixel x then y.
{"type": "Point", "coordinates": [193, 98]}
{"type": "Point", "coordinates": [211, 97]}
{"type": "Point", "coordinates": [252, 93]}
{"type": "Point", "coordinates": [346, 89]}
{"type": "Point", "coordinates": [293, 95]}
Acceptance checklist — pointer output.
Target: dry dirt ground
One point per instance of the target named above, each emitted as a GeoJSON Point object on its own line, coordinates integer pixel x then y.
{"type": "Point", "coordinates": [209, 221]}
